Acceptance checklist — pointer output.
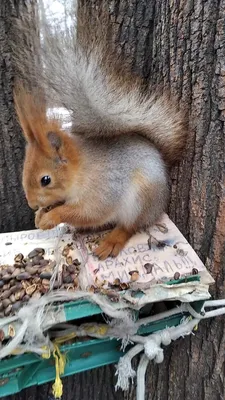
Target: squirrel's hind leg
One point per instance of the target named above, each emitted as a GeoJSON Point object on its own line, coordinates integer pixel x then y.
{"type": "Point", "coordinates": [113, 243]}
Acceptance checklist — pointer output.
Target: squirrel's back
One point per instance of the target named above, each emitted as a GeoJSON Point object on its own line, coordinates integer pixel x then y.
{"type": "Point", "coordinates": [85, 75]}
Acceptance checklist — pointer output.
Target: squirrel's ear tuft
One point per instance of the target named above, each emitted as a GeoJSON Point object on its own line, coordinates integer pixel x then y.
{"type": "Point", "coordinates": [31, 112]}
{"type": "Point", "coordinates": [19, 97]}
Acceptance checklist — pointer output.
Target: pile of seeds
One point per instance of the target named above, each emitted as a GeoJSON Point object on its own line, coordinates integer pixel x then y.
{"type": "Point", "coordinates": [29, 277]}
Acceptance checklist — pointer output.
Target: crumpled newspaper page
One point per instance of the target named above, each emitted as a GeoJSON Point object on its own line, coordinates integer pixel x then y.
{"type": "Point", "coordinates": [149, 261]}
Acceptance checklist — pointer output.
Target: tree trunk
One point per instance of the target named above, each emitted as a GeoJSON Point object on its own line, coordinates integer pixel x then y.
{"type": "Point", "coordinates": [182, 45]}
{"type": "Point", "coordinates": [14, 212]}
{"type": "Point", "coordinates": [188, 56]}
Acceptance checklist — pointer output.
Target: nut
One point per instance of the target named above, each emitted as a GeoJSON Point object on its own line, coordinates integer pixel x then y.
{"type": "Point", "coordinates": [113, 296]}
{"type": "Point", "coordinates": [91, 289]}
{"type": "Point", "coordinates": [148, 268]}
{"type": "Point", "coordinates": [177, 275]}
{"type": "Point", "coordinates": [39, 251]}
{"type": "Point", "coordinates": [25, 298]}
{"type": "Point", "coordinates": [6, 277]}
{"type": "Point", "coordinates": [134, 275]}
{"type": "Point", "coordinates": [194, 271]}
{"type": "Point", "coordinates": [76, 262]}
{"type": "Point", "coordinates": [16, 287]}
{"type": "Point", "coordinates": [8, 310]}
{"type": "Point", "coordinates": [23, 276]}
{"type": "Point", "coordinates": [11, 331]}
{"type": "Point", "coordinates": [36, 279]}
{"type": "Point", "coordinates": [25, 284]}
{"type": "Point", "coordinates": [69, 260]}
{"type": "Point", "coordinates": [46, 275]}
{"type": "Point", "coordinates": [31, 289]}
{"type": "Point", "coordinates": [71, 268]}
{"type": "Point", "coordinates": [18, 265]}
{"type": "Point", "coordinates": [124, 286]}
{"type": "Point", "coordinates": [99, 283]}
{"type": "Point", "coordinates": [132, 272]}
{"type": "Point", "coordinates": [31, 270]}
{"type": "Point", "coordinates": [45, 282]}
{"type": "Point", "coordinates": [66, 251]}
{"type": "Point", "coordinates": [2, 335]}
{"type": "Point", "coordinates": [10, 269]}
{"type": "Point", "coordinates": [20, 294]}
{"type": "Point", "coordinates": [6, 294]}
{"type": "Point", "coordinates": [6, 286]}
{"type": "Point", "coordinates": [16, 273]}
{"type": "Point", "coordinates": [12, 298]}
{"type": "Point", "coordinates": [29, 263]}
{"type": "Point", "coordinates": [36, 260]}
{"type": "Point", "coordinates": [56, 285]}
{"type": "Point", "coordinates": [19, 258]}
{"type": "Point", "coordinates": [43, 262]}
{"type": "Point", "coordinates": [6, 302]}
{"type": "Point", "coordinates": [32, 254]}
{"type": "Point", "coordinates": [67, 279]}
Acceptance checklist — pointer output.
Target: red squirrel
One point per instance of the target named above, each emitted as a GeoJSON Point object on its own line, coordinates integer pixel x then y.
{"type": "Point", "coordinates": [112, 167]}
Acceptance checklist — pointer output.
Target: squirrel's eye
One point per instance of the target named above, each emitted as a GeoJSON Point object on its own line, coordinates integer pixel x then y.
{"type": "Point", "coordinates": [45, 180]}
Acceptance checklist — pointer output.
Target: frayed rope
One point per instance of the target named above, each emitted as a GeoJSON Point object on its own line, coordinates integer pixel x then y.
{"type": "Point", "coordinates": [151, 346]}
{"type": "Point", "coordinates": [34, 319]}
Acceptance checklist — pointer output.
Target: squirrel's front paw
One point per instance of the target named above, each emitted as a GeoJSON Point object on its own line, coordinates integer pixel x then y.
{"type": "Point", "coordinates": [38, 215]}
{"type": "Point", "coordinates": [112, 243]}
{"type": "Point", "coordinates": [48, 220]}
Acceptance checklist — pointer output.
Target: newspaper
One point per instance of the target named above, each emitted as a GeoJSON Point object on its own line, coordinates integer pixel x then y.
{"type": "Point", "coordinates": [157, 256]}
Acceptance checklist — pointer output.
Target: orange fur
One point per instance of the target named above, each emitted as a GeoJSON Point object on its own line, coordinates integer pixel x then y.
{"type": "Point", "coordinates": [72, 214]}
{"type": "Point", "coordinates": [45, 162]}
{"type": "Point", "coordinates": [42, 157]}
{"type": "Point", "coordinates": [141, 181]}
{"type": "Point", "coordinates": [113, 243]}
{"type": "Point", "coordinates": [31, 114]}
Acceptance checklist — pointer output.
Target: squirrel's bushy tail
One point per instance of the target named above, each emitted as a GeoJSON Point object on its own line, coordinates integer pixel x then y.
{"type": "Point", "coordinates": [85, 75]}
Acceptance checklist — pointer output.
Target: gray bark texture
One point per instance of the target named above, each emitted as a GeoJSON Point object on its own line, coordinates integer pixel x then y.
{"type": "Point", "coordinates": [178, 44]}
{"type": "Point", "coordinates": [14, 212]}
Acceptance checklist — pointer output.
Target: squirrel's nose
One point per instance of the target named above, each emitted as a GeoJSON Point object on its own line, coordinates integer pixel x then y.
{"type": "Point", "coordinates": [31, 202]}
{"type": "Point", "coordinates": [33, 205]}
{"type": "Point", "coordinates": [35, 208]}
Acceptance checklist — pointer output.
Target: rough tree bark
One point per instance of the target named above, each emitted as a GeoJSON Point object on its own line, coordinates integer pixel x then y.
{"type": "Point", "coordinates": [182, 45]}
{"type": "Point", "coordinates": [188, 55]}
{"type": "Point", "coordinates": [14, 211]}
